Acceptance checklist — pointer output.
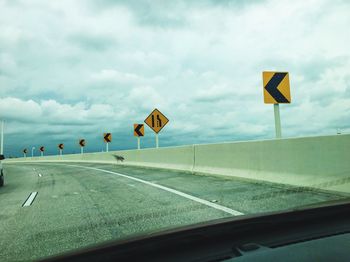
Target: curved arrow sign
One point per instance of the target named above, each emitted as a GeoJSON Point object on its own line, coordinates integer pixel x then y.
{"type": "Point", "coordinates": [276, 87]}
{"type": "Point", "coordinates": [107, 137]}
{"type": "Point", "coordinates": [139, 130]}
{"type": "Point", "coordinates": [82, 142]}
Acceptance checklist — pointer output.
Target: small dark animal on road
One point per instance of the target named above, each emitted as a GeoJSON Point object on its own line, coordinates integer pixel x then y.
{"type": "Point", "coordinates": [119, 158]}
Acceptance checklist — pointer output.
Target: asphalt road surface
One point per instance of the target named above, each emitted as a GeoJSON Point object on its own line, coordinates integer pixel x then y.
{"type": "Point", "coordinates": [79, 205]}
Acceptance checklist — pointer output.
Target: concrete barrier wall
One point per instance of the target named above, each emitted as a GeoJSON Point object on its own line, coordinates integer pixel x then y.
{"type": "Point", "coordinates": [309, 161]}
{"type": "Point", "coordinates": [178, 158]}
{"type": "Point", "coordinates": [320, 162]}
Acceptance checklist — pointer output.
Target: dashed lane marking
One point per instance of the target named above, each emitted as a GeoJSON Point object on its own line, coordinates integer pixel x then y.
{"type": "Point", "coordinates": [30, 199]}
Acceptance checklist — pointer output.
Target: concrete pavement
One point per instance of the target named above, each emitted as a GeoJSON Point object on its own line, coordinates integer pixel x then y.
{"type": "Point", "coordinates": [83, 204]}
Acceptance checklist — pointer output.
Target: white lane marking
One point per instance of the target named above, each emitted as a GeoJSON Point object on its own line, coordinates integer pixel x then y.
{"type": "Point", "coordinates": [179, 193]}
{"type": "Point", "coordinates": [30, 199]}
{"type": "Point", "coordinates": [40, 175]}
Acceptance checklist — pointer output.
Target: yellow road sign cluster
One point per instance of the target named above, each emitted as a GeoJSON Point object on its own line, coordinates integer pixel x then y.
{"type": "Point", "coordinates": [276, 89]}
{"type": "Point", "coordinates": [156, 121]}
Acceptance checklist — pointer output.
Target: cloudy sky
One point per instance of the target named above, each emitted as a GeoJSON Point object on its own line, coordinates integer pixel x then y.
{"type": "Point", "coordinates": [76, 69]}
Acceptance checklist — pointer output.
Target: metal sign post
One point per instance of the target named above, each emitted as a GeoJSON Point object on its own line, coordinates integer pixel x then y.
{"type": "Point", "coordinates": [42, 149]}
{"type": "Point", "coordinates": [278, 129]}
{"type": "Point", "coordinates": [139, 130]}
{"type": "Point", "coordinates": [156, 121]}
{"type": "Point", "coordinates": [82, 143]}
{"type": "Point", "coordinates": [60, 148]}
{"type": "Point", "coordinates": [33, 151]}
{"type": "Point", "coordinates": [157, 140]}
{"type": "Point", "coordinates": [107, 138]}
{"type": "Point", "coordinates": [276, 91]}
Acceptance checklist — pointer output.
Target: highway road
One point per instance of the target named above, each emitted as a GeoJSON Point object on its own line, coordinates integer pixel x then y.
{"type": "Point", "coordinates": [80, 204]}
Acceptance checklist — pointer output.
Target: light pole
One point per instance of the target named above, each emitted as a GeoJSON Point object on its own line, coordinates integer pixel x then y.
{"type": "Point", "coordinates": [2, 138]}
{"type": "Point", "coordinates": [33, 150]}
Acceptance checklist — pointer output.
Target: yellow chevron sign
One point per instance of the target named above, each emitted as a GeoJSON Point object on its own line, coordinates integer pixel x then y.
{"type": "Point", "coordinates": [276, 87]}
{"type": "Point", "coordinates": [139, 130]}
{"type": "Point", "coordinates": [82, 142]}
{"type": "Point", "coordinates": [107, 137]}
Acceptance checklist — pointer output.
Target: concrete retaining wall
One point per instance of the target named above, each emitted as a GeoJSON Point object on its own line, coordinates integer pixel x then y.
{"type": "Point", "coordinates": [321, 162]}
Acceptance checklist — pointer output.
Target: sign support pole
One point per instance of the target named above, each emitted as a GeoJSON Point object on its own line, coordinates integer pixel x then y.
{"type": "Point", "coordinates": [81, 150]}
{"type": "Point", "coordinates": [24, 155]}
{"type": "Point", "coordinates": [138, 142]}
{"type": "Point", "coordinates": [278, 129]}
{"type": "Point", "coordinates": [60, 152]}
{"type": "Point", "coordinates": [2, 138]}
{"type": "Point", "coordinates": [157, 141]}
{"type": "Point", "coordinates": [107, 147]}
{"type": "Point", "coordinates": [42, 153]}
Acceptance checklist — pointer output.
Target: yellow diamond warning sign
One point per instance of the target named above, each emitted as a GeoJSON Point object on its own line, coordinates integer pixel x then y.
{"type": "Point", "coordinates": [156, 120]}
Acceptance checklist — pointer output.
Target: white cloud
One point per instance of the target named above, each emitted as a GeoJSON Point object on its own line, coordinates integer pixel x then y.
{"type": "Point", "coordinates": [70, 63]}
{"type": "Point", "coordinates": [52, 112]}
{"type": "Point", "coordinates": [115, 75]}
{"type": "Point", "coordinates": [14, 108]}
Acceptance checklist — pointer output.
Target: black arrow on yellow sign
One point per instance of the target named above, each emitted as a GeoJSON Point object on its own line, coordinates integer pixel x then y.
{"type": "Point", "coordinates": [107, 137]}
{"type": "Point", "coordinates": [60, 146]}
{"type": "Point", "coordinates": [42, 149]}
{"type": "Point", "coordinates": [272, 85]}
{"type": "Point", "coordinates": [139, 130]}
{"type": "Point", "coordinates": [82, 142]}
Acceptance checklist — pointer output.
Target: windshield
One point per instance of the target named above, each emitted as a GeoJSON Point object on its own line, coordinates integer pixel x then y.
{"type": "Point", "coordinates": [127, 118]}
